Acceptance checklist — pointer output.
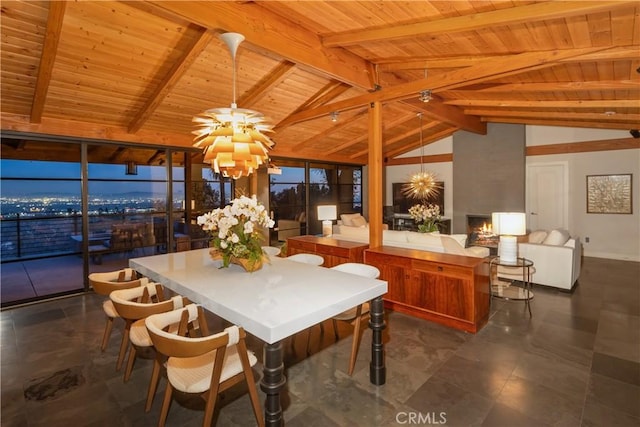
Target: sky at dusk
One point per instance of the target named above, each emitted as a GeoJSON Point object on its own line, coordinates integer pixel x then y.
{"type": "Point", "coordinates": [42, 177]}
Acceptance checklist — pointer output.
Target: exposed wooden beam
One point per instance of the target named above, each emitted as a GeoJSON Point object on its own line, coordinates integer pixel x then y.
{"type": "Point", "coordinates": [117, 155]}
{"type": "Point", "coordinates": [399, 137]}
{"type": "Point", "coordinates": [506, 66]}
{"type": "Point", "coordinates": [314, 156]}
{"type": "Point", "coordinates": [176, 71]}
{"type": "Point", "coordinates": [432, 158]}
{"type": "Point", "coordinates": [584, 147]}
{"type": "Point", "coordinates": [331, 91]}
{"type": "Point", "coordinates": [48, 57]}
{"type": "Point", "coordinates": [327, 93]}
{"type": "Point", "coordinates": [605, 118]}
{"type": "Point", "coordinates": [86, 130]}
{"type": "Point", "coordinates": [557, 86]}
{"type": "Point", "coordinates": [510, 16]}
{"type": "Point", "coordinates": [387, 125]}
{"type": "Point", "coordinates": [386, 65]}
{"type": "Point", "coordinates": [618, 53]}
{"type": "Point", "coordinates": [558, 121]}
{"type": "Point", "coordinates": [537, 150]}
{"type": "Point", "coordinates": [155, 155]}
{"type": "Point", "coordinates": [335, 128]}
{"type": "Point", "coordinates": [274, 33]}
{"type": "Point", "coordinates": [512, 103]}
{"type": "Point", "coordinates": [453, 116]}
{"type": "Point", "coordinates": [260, 89]}
{"type": "Point", "coordinates": [432, 138]}
{"type": "Point", "coordinates": [390, 64]}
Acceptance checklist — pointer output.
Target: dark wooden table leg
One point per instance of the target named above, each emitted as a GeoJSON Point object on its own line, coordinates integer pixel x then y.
{"type": "Point", "coordinates": [377, 369]}
{"type": "Point", "coordinates": [273, 380]}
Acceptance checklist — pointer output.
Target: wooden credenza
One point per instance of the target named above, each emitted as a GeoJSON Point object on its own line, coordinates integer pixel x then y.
{"type": "Point", "coordinates": [333, 251]}
{"type": "Point", "coordinates": [449, 289]}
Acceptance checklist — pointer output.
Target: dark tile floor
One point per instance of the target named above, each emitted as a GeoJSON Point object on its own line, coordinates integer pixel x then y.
{"type": "Point", "coordinates": [576, 362]}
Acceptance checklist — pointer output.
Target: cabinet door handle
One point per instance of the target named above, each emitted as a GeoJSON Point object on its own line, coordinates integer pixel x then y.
{"type": "Point", "coordinates": [440, 268]}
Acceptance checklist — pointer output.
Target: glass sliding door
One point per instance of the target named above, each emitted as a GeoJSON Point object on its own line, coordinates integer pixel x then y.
{"type": "Point", "coordinates": [41, 221]}
{"type": "Point", "coordinates": [208, 191]}
{"type": "Point", "coordinates": [53, 234]}
{"type": "Point", "coordinates": [349, 189]}
{"type": "Point", "coordinates": [294, 196]}
{"type": "Point", "coordinates": [288, 201]}
{"type": "Point", "coordinates": [322, 191]}
{"type": "Point", "coordinates": [127, 205]}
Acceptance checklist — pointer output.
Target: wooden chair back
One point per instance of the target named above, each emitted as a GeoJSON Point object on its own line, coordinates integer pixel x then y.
{"type": "Point", "coordinates": [107, 282]}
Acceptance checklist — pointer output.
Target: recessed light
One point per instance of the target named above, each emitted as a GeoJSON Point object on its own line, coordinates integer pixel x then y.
{"type": "Point", "coordinates": [609, 113]}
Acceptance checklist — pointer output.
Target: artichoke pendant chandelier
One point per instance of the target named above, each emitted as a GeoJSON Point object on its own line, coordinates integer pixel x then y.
{"type": "Point", "coordinates": [232, 138]}
{"type": "Point", "coordinates": [422, 185]}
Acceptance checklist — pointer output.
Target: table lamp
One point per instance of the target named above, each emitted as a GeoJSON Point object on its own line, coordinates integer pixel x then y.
{"type": "Point", "coordinates": [326, 214]}
{"type": "Point", "coordinates": [508, 225]}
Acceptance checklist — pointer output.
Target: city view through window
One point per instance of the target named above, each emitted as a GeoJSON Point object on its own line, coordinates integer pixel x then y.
{"type": "Point", "coordinates": [42, 215]}
{"type": "Point", "coordinates": [127, 214]}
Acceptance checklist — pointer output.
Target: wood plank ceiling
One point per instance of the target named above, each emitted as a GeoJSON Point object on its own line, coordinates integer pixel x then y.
{"type": "Point", "coordinates": [139, 71]}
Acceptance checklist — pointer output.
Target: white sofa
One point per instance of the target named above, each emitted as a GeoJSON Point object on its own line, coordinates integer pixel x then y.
{"type": "Point", "coordinates": [557, 259]}
{"type": "Point", "coordinates": [433, 242]}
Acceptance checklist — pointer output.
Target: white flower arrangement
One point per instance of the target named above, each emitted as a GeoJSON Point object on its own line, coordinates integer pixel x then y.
{"type": "Point", "coordinates": [234, 229]}
{"type": "Point", "coordinates": [427, 216]}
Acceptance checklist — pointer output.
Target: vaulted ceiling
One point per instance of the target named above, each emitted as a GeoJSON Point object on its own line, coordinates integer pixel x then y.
{"type": "Point", "coordinates": [139, 71]}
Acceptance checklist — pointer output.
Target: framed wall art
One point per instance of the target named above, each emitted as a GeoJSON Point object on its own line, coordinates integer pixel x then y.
{"type": "Point", "coordinates": [609, 194]}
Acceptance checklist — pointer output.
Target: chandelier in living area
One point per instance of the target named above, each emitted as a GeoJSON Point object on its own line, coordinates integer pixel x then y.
{"type": "Point", "coordinates": [232, 138]}
{"type": "Point", "coordinates": [422, 185]}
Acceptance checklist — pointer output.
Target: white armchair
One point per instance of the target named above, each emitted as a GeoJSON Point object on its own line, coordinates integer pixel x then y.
{"type": "Point", "coordinates": [557, 259]}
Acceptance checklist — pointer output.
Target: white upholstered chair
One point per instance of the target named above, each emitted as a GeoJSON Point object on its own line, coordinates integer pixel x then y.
{"type": "Point", "coordinates": [205, 365]}
{"type": "Point", "coordinates": [358, 313]}
{"type": "Point", "coordinates": [271, 250]}
{"type": "Point", "coordinates": [311, 259]}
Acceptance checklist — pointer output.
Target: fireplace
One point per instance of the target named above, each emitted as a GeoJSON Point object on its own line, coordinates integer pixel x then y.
{"type": "Point", "coordinates": [479, 231]}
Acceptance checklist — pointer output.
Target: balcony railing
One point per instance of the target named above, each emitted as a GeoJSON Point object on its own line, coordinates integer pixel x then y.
{"type": "Point", "coordinates": [25, 237]}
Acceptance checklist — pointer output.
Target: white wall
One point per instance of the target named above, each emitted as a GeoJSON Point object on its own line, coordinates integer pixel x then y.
{"type": "Point", "coordinates": [610, 236]}
{"type": "Point", "coordinates": [615, 236]}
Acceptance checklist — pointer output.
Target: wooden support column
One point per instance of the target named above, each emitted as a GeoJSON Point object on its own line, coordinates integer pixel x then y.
{"type": "Point", "coordinates": [375, 174]}
{"type": "Point", "coordinates": [253, 183]}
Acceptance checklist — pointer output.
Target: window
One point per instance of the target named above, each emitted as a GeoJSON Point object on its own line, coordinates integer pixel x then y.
{"type": "Point", "coordinates": [211, 191]}
{"type": "Point", "coordinates": [302, 186]}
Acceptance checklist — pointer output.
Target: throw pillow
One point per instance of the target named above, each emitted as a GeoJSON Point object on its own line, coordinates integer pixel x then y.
{"type": "Point", "coordinates": [556, 237]}
{"type": "Point", "coordinates": [359, 221]}
{"type": "Point", "coordinates": [347, 218]}
{"type": "Point", "coordinates": [537, 236]}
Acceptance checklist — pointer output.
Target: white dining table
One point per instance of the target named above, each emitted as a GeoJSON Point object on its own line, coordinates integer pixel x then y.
{"type": "Point", "coordinates": [282, 298]}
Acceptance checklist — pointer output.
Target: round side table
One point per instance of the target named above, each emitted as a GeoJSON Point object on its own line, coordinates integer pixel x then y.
{"type": "Point", "coordinates": [505, 290]}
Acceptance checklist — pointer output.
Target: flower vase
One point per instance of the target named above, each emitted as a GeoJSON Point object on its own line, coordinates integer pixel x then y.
{"type": "Point", "coordinates": [246, 263]}
{"type": "Point", "coordinates": [215, 254]}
